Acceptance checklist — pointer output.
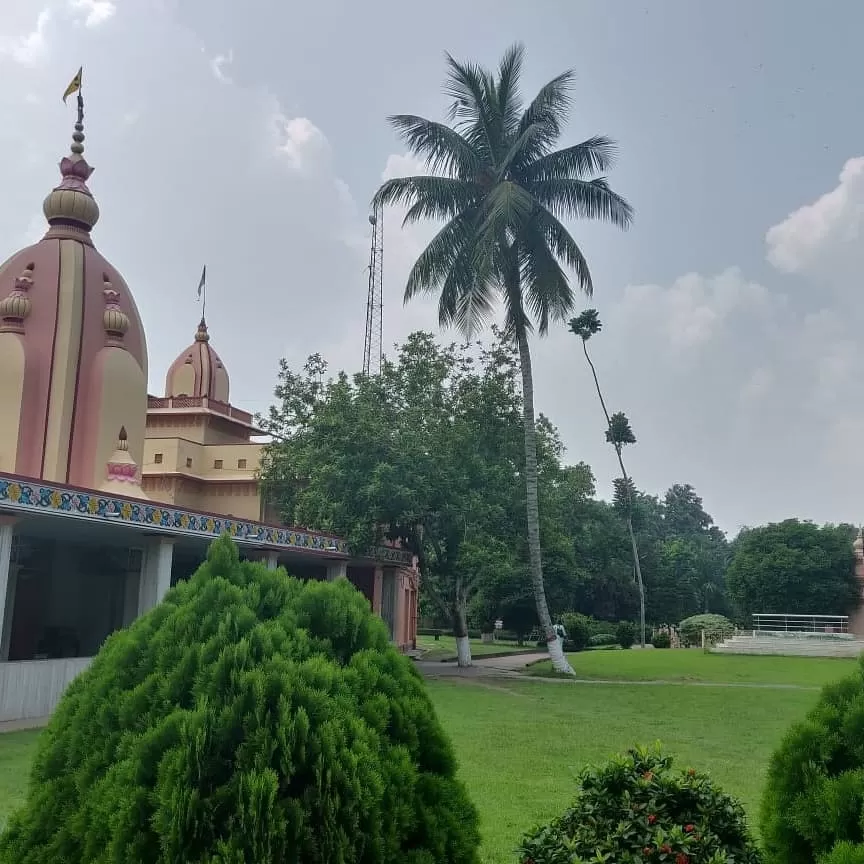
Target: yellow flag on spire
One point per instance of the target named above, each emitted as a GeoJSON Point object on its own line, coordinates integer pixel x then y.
{"type": "Point", "coordinates": [74, 85]}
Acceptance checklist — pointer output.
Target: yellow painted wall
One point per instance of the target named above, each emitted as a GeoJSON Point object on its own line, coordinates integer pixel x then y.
{"type": "Point", "coordinates": [11, 396]}
{"type": "Point", "coordinates": [175, 452]}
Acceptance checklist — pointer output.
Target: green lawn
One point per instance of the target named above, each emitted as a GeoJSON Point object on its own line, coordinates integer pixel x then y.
{"type": "Point", "coordinates": [444, 648]}
{"type": "Point", "coordinates": [520, 743]}
{"type": "Point", "coordinates": [682, 664]}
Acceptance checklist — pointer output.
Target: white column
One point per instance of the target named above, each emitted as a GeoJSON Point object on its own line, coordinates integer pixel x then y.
{"type": "Point", "coordinates": [337, 570]}
{"type": "Point", "coordinates": [155, 573]}
{"type": "Point", "coordinates": [7, 587]}
{"type": "Point", "coordinates": [272, 560]}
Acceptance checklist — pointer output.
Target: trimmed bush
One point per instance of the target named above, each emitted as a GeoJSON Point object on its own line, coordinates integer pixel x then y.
{"type": "Point", "coordinates": [637, 808]}
{"type": "Point", "coordinates": [249, 717]}
{"type": "Point", "coordinates": [602, 640]}
{"type": "Point", "coordinates": [813, 806]}
{"type": "Point", "coordinates": [578, 629]}
{"type": "Point", "coordinates": [625, 634]}
{"type": "Point", "coordinates": [690, 629]}
{"type": "Point", "coordinates": [661, 640]}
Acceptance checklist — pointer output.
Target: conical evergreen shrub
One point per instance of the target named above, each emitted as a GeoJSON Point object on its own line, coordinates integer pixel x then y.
{"type": "Point", "coordinates": [249, 718]}
{"type": "Point", "coordinates": [813, 806]}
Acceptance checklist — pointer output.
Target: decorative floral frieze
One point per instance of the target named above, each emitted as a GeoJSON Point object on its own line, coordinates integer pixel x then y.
{"type": "Point", "coordinates": [19, 495]}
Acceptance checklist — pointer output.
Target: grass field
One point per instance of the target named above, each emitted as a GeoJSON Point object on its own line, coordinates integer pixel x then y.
{"type": "Point", "coordinates": [521, 742]}
{"type": "Point", "coordinates": [445, 647]}
{"type": "Point", "coordinates": [682, 665]}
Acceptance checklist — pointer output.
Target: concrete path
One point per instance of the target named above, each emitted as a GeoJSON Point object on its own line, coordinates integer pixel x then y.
{"type": "Point", "coordinates": [484, 667]}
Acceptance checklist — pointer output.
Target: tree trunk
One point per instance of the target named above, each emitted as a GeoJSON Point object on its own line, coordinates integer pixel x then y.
{"type": "Point", "coordinates": [460, 631]}
{"type": "Point", "coordinates": [636, 565]}
{"type": "Point", "coordinates": [553, 642]}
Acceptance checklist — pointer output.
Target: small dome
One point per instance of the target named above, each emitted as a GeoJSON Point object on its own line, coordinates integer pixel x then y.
{"type": "Point", "coordinates": [198, 371]}
{"type": "Point", "coordinates": [114, 319]}
{"type": "Point", "coordinates": [15, 307]}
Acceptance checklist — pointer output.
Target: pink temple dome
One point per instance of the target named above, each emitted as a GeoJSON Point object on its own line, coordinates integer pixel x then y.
{"type": "Point", "coordinates": [198, 371]}
{"type": "Point", "coordinates": [72, 345]}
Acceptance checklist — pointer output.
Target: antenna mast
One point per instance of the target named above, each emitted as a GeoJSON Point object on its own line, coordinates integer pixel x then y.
{"type": "Point", "coordinates": [373, 350]}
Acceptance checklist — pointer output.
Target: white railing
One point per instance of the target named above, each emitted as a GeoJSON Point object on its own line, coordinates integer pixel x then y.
{"type": "Point", "coordinates": [30, 689]}
{"type": "Point", "coordinates": [800, 624]}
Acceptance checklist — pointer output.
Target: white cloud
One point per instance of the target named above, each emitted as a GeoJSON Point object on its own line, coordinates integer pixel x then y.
{"type": "Point", "coordinates": [300, 142]}
{"type": "Point", "coordinates": [95, 12]}
{"type": "Point", "coordinates": [219, 64]}
{"type": "Point", "coordinates": [30, 48]}
{"type": "Point", "coordinates": [695, 309]}
{"type": "Point", "coordinates": [830, 225]}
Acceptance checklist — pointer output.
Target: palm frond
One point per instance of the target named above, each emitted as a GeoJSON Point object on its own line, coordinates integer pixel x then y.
{"type": "Point", "coordinates": [509, 74]}
{"type": "Point", "coordinates": [545, 286]}
{"type": "Point", "coordinates": [505, 211]}
{"type": "Point", "coordinates": [574, 163]}
{"type": "Point", "coordinates": [443, 149]}
{"type": "Point", "coordinates": [564, 247]}
{"type": "Point", "coordinates": [549, 110]}
{"type": "Point", "coordinates": [435, 262]}
{"type": "Point", "coordinates": [468, 293]}
{"type": "Point", "coordinates": [428, 197]}
{"type": "Point", "coordinates": [466, 86]}
{"type": "Point", "coordinates": [583, 199]}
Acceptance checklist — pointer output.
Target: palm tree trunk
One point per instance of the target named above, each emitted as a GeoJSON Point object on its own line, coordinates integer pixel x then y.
{"type": "Point", "coordinates": [636, 565]}
{"type": "Point", "coordinates": [553, 642]}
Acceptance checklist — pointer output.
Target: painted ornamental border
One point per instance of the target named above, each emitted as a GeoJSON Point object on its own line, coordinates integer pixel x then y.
{"type": "Point", "coordinates": [24, 495]}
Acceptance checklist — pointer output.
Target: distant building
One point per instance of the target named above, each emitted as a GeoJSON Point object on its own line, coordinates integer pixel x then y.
{"type": "Point", "coordinates": [109, 496]}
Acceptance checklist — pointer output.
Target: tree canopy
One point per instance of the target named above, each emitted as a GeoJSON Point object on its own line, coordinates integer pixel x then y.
{"type": "Point", "coordinates": [793, 567]}
{"type": "Point", "coordinates": [427, 453]}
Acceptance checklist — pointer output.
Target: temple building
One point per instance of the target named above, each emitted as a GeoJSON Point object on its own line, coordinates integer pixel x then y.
{"type": "Point", "coordinates": [108, 496]}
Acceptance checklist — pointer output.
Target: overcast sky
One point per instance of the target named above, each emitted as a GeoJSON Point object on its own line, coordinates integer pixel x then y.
{"type": "Point", "coordinates": [251, 136]}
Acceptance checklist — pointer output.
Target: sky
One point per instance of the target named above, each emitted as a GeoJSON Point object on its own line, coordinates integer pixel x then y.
{"type": "Point", "coordinates": [251, 137]}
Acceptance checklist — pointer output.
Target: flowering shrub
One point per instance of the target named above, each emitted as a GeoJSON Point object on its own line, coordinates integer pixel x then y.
{"type": "Point", "coordinates": [637, 809]}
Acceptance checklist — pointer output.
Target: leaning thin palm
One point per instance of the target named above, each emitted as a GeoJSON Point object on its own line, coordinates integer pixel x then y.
{"type": "Point", "coordinates": [501, 190]}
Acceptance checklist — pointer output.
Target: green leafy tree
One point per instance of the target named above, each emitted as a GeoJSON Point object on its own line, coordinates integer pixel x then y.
{"type": "Point", "coordinates": [249, 717]}
{"type": "Point", "coordinates": [427, 453]}
{"type": "Point", "coordinates": [501, 190]}
{"type": "Point", "coordinates": [813, 804]}
{"type": "Point", "coordinates": [793, 567]}
{"type": "Point", "coordinates": [619, 434]}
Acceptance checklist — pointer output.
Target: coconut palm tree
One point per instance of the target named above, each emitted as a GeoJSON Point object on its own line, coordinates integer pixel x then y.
{"type": "Point", "coordinates": [501, 189]}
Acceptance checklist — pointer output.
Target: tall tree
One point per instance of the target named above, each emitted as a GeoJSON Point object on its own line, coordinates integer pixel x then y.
{"type": "Point", "coordinates": [501, 189]}
{"type": "Point", "coordinates": [793, 567]}
{"type": "Point", "coordinates": [428, 453]}
{"type": "Point", "coordinates": [619, 434]}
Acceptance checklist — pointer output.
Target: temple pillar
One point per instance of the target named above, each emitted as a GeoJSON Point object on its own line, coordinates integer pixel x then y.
{"type": "Point", "coordinates": [377, 589]}
{"type": "Point", "coordinates": [7, 584]}
{"type": "Point", "coordinates": [337, 570]}
{"type": "Point", "coordinates": [272, 560]}
{"type": "Point", "coordinates": [155, 573]}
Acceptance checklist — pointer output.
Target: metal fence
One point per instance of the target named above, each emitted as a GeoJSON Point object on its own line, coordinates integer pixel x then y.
{"type": "Point", "coordinates": [794, 624]}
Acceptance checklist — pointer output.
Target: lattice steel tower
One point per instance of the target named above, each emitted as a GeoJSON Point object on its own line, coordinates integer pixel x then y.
{"type": "Point", "coordinates": [373, 349]}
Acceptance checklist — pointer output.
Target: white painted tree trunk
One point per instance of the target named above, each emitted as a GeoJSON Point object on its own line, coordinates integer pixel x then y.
{"type": "Point", "coordinates": [558, 658]}
{"type": "Point", "coordinates": [535, 560]}
{"type": "Point", "coordinates": [463, 651]}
